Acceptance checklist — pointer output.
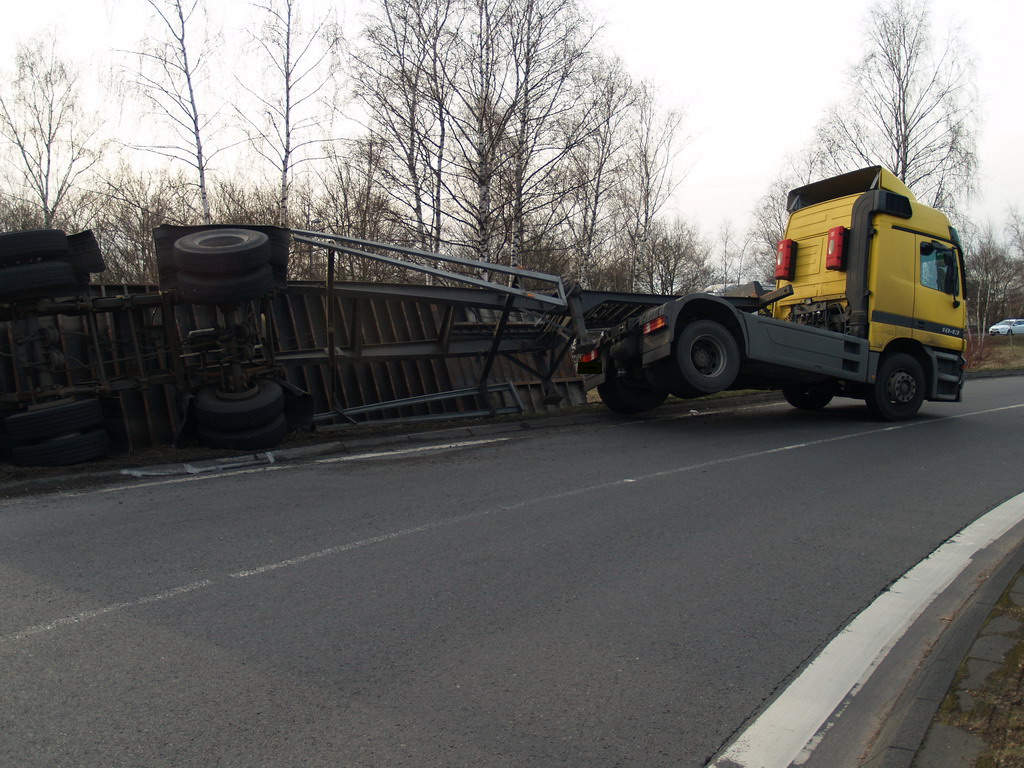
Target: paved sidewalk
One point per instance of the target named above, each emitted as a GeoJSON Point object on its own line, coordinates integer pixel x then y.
{"type": "Point", "coordinates": [981, 716]}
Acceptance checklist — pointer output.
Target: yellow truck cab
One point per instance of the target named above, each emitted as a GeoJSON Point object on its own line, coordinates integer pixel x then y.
{"type": "Point", "coordinates": [869, 304]}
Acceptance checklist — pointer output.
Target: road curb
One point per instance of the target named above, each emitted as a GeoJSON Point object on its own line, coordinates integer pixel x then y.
{"type": "Point", "coordinates": [886, 723]}
{"type": "Point", "coordinates": [915, 713]}
{"type": "Point", "coordinates": [328, 446]}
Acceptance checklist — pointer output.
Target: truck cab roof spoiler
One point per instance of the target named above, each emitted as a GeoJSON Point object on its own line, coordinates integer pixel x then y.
{"type": "Point", "coordinates": [853, 183]}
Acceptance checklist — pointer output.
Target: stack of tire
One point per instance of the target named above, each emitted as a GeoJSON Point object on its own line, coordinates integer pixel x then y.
{"type": "Point", "coordinates": [57, 434]}
{"type": "Point", "coordinates": [226, 265]}
{"type": "Point", "coordinates": [46, 261]}
{"type": "Point", "coordinates": [223, 266]}
{"type": "Point", "coordinates": [248, 421]}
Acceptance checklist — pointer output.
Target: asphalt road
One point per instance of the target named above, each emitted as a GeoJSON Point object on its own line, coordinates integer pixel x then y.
{"type": "Point", "coordinates": [622, 594]}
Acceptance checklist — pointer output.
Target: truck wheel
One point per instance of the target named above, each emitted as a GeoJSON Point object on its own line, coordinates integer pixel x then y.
{"type": "Point", "coordinates": [42, 244]}
{"type": "Point", "coordinates": [36, 276]}
{"type": "Point", "coordinates": [61, 451]}
{"type": "Point", "coordinates": [623, 396]}
{"type": "Point", "coordinates": [224, 411]}
{"type": "Point", "coordinates": [223, 252]}
{"type": "Point", "coordinates": [898, 390]}
{"type": "Point", "coordinates": [707, 357]}
{"type": "Point", "coordinates": [253, 439]}
{"type": "Point", "coordinates": [66, 417]}
{"type": "Point", "coordinates": [807, 398]}
{"type": "Point", "coordinates": [207, 289]}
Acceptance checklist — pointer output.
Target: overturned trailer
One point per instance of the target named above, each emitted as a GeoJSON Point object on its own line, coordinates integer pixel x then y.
{"type": "Point", "coordinates": [227, 351]}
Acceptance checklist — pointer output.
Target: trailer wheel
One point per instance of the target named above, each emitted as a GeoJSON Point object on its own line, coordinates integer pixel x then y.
{"type": "Point", "coordinates": [807, 398]}
{"type": "Point", "coordinates": [226, 411]}
{"type": "Point", "coordinates": [216, 289]}
{"type": "Point", "coordinates": [57, 419]}
{"type": "Point", "coordinates": [899, 388]}
{"type": "Point", "coordinates": [255, 438]}
{"type": "Point", "coordinates": [23, 278]}
{"type": "Point", "coordinates": [34, 244]}
{"type": "Point", "coordinates": [73, 448]}
{"type": "Point", "coordinates": [707, 357]}
{"type": "Point", "coordinates": [222, 251]}
{"type": "Point", "coordinates": [624, 396]}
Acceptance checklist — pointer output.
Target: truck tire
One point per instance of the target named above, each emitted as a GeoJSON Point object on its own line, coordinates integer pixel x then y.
{"type": "Point", "coordinates": [253, 439]}
{"type": "Point", "coordinates": [223, 252]}
{"type": "Point", "coordinates": [44, 275]}
{"type": "Point", "coordinates": [73, 448]}
{"type": "Point", "coordinates": [34, 244]}
{"type": "Point", "coordinates": [626, 397]}
{"type": "Point", "coordinates": [216, 289]}
{"type": "Point", "coordinates": [707, 357]}
{"type": "Point", "coordinates": [899, 388]}
{"type": "Point", "coordinates": [222, 411]}
{"type": "Point", "coordinates": [807, 398]}
{"type": "Point", "coordinates": [57, 419]}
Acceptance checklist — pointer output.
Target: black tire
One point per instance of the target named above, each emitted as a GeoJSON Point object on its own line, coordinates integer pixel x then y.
{"type": "Point", "coordinates": [55, 420]}
{"type": "Point", "coordinates": [807, 398]}
{"type": "Point", "coordinates": [222, 252]}
{"type": "Point", "coordinates": [624, 396]}
{"type": "Point", "coordinates": [35, 244]}
{"type": "Point", "coordinates": [61, 451]}
{"type": "Point", "coordinates": [223, 411]}
{"type": "Point", "coordinates": [210, 289]}
{"type": "Point", "coordinates": [707, 357]}
{"type": "Point", "coordinates": [899, 388]}
{"type": "Point", "coordinates": [28, 278]}
{"type": "Point", "coordinates": [85, 255]}
{"type": "Point", "coordinates": [264, 436]}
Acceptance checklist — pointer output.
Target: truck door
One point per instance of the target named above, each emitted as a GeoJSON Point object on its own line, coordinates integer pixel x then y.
{"type": "Point", "coordinates": [938, 296]}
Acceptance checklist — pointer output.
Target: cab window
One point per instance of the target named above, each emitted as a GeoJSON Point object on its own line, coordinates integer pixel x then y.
{"type": "Point", "coordinates": [938, 268]}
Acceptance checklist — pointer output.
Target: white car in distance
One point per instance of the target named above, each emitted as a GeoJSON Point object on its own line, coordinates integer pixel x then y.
{"type": "Point", "coordinates": [1009, 327]}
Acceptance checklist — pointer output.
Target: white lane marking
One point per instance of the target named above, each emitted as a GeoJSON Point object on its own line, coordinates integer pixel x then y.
{"type": "Point", "coordinates": [78, 618]}
{"type": "Point", "coordinates": [788, 731]}
{"type": "Point", "coordinates": [347, 547]}
{"type": "Point", "coordinates": [463, 518]}
{"type": "Point", "coordinates": [404, 451]}
{"type": "Point", "coordinates": [192, 478]}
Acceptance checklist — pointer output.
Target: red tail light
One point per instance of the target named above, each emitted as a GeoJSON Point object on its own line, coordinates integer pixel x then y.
{"type": "Point", "coordinates": [590, 356]}
{"type": "Point", "coordinates": [785, 260]}
{"type": "Point", "coordinates": [835, 256]}
{"type": "Point", "coordinates": [655, 325]}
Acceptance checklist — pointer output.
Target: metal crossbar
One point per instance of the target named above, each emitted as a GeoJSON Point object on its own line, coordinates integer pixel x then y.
{"type": "Point", "coordinates": [355, 247]}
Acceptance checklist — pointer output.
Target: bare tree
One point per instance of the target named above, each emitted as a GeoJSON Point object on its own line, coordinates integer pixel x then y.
{"type": "Point", "coordinates": [911, 108]}
{"type": "Point", "coordinates": [679, 259]}
{"type": "Point", "coordinates": [596, 168]}
{"type": "Point", "coordinates": [550, 40]}
{"type": "Point", "coordinates": [1015, 231]}
{"type": "Point", "coordinates": [996, 279]}
{"type": "Point", "coordinates": [732, 255]}
{"type": "Point", "coordinates": [300, 61]}
{"type": "Point", "coordinates": [484, 100]}
{"type": "Point", "coordinates": [403, 74]}
{"type": "Point", "coordinates": [129, 204]}
{"type": "Point", "coordinates": [54, 144]}
{"type": "Point", "coordinates": [650, 177]}
{"type": "Point", "coordinates": [171, 71]}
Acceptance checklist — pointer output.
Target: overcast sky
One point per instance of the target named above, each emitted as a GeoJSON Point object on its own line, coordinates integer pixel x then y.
{"type": "Point", "coordinates": [753, 78]}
